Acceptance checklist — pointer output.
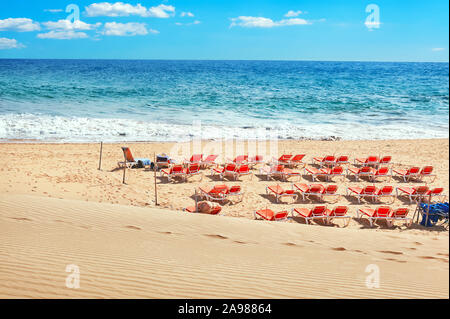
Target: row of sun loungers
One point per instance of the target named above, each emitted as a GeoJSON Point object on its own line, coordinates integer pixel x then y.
{"type": "Point", "coordinates": [281, 166]}
{"type": "Point", "coordinates": [373, 174]}
{"type": "Point", "coordinates": [327, 215]}
{"type": "Point", "coordinates": [235, 171]}
{"type": "Point", "coordinates": [290, 160]}
{"type": "Point", "coordinates": [370, 192]}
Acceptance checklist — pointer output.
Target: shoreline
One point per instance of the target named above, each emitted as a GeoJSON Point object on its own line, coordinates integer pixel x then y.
{"type": "Point", "coordinates": [34, 142]}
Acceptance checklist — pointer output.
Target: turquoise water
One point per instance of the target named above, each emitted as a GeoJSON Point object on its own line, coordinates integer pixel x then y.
{"type": "Point", "coordinates": [92, 100]}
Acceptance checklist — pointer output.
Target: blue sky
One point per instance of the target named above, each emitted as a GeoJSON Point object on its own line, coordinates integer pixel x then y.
{"type": "Point", "coordinates": [268, 30]}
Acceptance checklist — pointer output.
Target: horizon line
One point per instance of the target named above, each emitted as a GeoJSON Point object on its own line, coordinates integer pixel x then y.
{"type": "Point", "coordinates": [243, 60]}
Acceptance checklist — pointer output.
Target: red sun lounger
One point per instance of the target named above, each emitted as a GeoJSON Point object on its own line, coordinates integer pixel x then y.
{"type": "Point", "coordinates": [270, 215]}
{"type": "Point", "coordinates": [381, 212]}
{"type": "Point", "coordinates": [385, 161]}
{"type": "Point", "coordinates": [328, 160]}
{"type": "Point", "coordinates": [368, 161]}
{"type": "Point", "coordinates": [314, 172]}
{"type": "Point", "coordinates": [427, 171]}
{"type": "Point", "coordinates": [193, 170]}
{"type": "Point", "coordinates": [317, 212]}
{"type": "Point", "coordinates": [195, 159]}
{"type": "Point", "coordinates": [329, 173]}
{"type": "Point", "coordinates": [232, 170]}
{"type": "Point", "coordinates": [209, 161]}
{"type": "Point", "coordinates": [400, 214]}
{"type": "Point", "coordinates": [362, 192]}
{"type": "Point", "coordinates": [255, 160]}
{"type": "Point", "coordinates": [407, 175]}
{"type": "Point", "coordinates": [342, 160]}
{"type": "Point", "coordinates": [331, 191]}
{"type": "Point", "coordinates": [382, 172]}
{"type": "Point", "coordinates": [338, 212]}
{"type": "Point", "coordinates": [240, 159]}
{"type": "Point", "coordinates": [283, 159]}
{"type": "Point", "coordinates": [215, 193]}
{"type": "Point", "coordinates": [174, 172]}
{"type": "Point", "coordinates": [415, 193]}
{"type": "Point", "coordinates": [219, 192]}
{"type": "Point", "coordinates": [360, 172]}
{"type": "Point", "coordinates": [436, 192]}
{"type": "Point", "coordinates": [279, 192]}
{"type": "Point", "coordinates": [384, 192]}
{"type": "Point", "coordinates": [297, 160]}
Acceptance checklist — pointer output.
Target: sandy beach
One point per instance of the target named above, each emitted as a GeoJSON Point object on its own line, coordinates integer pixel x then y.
{"type": "Point", "coordinates": [57, 209]}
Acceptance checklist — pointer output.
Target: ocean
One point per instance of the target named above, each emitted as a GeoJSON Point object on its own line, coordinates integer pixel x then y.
{"type": "Point", "coordinates": [152, 100]}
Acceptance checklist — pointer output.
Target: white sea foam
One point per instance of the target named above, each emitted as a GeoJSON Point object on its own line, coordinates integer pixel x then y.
{"type": "Point", "coordinates": [79, 129]}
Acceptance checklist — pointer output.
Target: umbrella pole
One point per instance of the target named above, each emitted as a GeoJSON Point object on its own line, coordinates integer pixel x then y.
{"type": "Point", "coordinates": [428, 210]}
{"type": "Point", "coordinates": [154, 171]}
{"type": "Point", "coordinates": [196, 201]}
{"type": "Point", "coordinates": [100, 160]}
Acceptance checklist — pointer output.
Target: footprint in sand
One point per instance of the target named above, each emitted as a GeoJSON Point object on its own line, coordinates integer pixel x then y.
{"type": "Point", "coordinates": [396, 260]}
{"type": "Point", "coordinates": [24, 219]}
{"type": "Point", "coordinates": [133, 227]}
{"type": "Point", "coordinates": [435, 258]}
{"type": "Point", "coordinates": [290, 244]}
{"type": "Point", "coordinates": [390, 252]}
{"type": "Point", "coordinates": [216, 236]}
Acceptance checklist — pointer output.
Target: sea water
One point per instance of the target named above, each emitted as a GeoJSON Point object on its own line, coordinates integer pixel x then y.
{"type": "Point", "coordinates": [152, 100]}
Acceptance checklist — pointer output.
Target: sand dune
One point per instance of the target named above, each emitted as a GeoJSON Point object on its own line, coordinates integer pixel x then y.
{"type": "Point", "coordinates": [132, 252]}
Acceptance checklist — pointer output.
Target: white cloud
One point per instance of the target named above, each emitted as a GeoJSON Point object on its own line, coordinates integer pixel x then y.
{"type": "Point", "coordinates": [261, 22]}
{"type": "Point", "coordinates": [190, 23]}
{"type": "Point", "coordinates": [120, 9]}
{"type": "Point", "coordinates": [19, 24]}
{"type": "Point", "coordinates": [293, 21]}
{"type": "Point", "coordinates": [114, 9]}
{"type": "Point", "coordinates": [161, 11]}
{"type": "Point", "coordinates": [126, 29]}
{"type": "Point", "coordinates": [252, 22]}
{"type": "Point", "coordinates": [53, 10]}
{"type": "Point", "coordinates": [437, 49]}
{"type": "Point", "coordinates": [6, 44]}
{"type": "Point", "coordinates": [187, 14]}
{"type": "Point", "coordinates": [292, 13]}
{"type": "Point", "coordinates": [66, 25]}
{"type": "Point", "coordinates": [62, 35]}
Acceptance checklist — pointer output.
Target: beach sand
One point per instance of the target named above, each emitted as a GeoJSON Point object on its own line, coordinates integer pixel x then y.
{"type": "Point", "coordinates": [57, 209]}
